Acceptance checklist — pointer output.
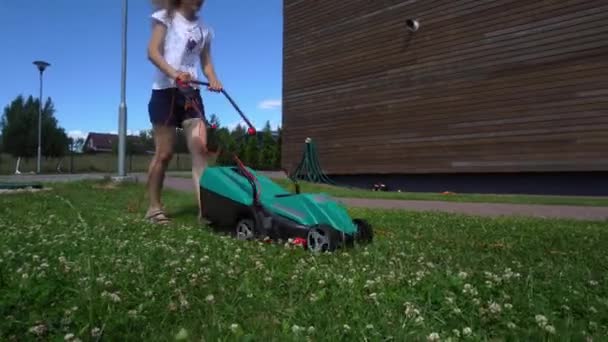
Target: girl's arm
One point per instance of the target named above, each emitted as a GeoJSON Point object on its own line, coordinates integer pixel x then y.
{"type": "Point", "coordinates": [154, 52]}
{"type": "Point", "coordinates": [208, 69]}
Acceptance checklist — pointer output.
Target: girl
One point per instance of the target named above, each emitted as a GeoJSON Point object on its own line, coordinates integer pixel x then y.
{"type": "Point", "coordinates": [179, 43]}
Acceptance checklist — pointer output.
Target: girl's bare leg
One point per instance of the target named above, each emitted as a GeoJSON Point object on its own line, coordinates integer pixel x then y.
{"type": "Point", "coordinates": [164, 137]}
{"type": "Point", "coordinates": [196, 135]}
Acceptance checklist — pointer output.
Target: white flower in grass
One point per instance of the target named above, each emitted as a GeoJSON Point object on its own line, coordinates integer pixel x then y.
{"type": "Point", "coordinates": [311, 330]}
{"type": "Point", "coordinates": [296, 329]}
{"type": "Point", "coordinates": [495, 308]}
{"type": "Point", "coordinates": [113, 296]}
{"type": "Point", "coordinates": [550, 329]}
{"type": "Point", "coordinates": [433, 337]}
{"type": "Point", "coordinates": [95, 332]}
{"type": "Point", "coordinates": [38, 330]}
{"type": "Point", "coordinates": [511, 325]}
{"type": "Point", "coordinates": [469, 289]}
{"type": "Point", "coordinates": [210, 298]}
{"type": "Point", "coordinates": [541, 320]}
{"type": "Point", "coordinates": [467, 331]}
{"type": "Point", "coordinates": [419, 320]}
{"type": "Point", "coordinates": [508, 306]}
{"type": "Point", "coordinates": [234, 327]}
{"type": "Point", "coordinates": [69, 337]}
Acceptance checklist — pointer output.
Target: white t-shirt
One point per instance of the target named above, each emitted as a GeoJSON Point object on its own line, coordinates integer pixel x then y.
{"type": "Point", "coordinates": [183, 44]}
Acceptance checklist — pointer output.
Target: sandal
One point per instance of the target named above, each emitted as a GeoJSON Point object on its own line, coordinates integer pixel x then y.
{"type": "Point", "coordinates": [157, 217]}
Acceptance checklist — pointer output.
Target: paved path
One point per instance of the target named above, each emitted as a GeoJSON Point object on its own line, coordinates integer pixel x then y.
{"type": "Point", "coordinates": [481, 209]}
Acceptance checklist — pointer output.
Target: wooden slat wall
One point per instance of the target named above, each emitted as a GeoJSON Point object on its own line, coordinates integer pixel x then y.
{"type": "Point", "coordinates": [483, 86]}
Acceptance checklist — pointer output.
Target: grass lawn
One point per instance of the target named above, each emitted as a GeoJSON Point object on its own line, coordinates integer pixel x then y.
{"type": "Point", "coordinates": [339, 191]}
{"type": "Point", "coordinates": [426, 196]}
{"type": "Point", "coordinates": [78, 262]}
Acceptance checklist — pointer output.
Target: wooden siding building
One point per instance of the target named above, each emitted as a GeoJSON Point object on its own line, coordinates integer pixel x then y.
{"type": "Point", "coordinates": [505, 87]}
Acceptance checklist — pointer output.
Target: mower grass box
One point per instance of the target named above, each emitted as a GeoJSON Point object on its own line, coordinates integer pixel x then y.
{"type": "Point", "coordinates": [252, 206]}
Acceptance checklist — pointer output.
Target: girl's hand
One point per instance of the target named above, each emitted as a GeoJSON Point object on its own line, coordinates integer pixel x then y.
{"type": "Point", "coordinates": [183, 77]}
{"type": "Point", "coordinates": [215, 85]}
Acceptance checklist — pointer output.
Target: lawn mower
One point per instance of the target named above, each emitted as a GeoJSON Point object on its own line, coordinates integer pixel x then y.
{"type": "Point", "coordinates": [253, 206]}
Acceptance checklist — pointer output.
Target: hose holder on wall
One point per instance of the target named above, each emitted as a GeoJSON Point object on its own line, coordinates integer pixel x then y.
{"type": "Point", "coordinates": [412, 24]}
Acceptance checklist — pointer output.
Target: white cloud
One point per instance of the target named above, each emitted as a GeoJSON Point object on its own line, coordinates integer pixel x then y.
{"type": "Point", "coordinates": [258, 125]}
{"type": "Point", "coordinates": [270, 104]}
{"type": "Point", "coordinates": [75, 134]}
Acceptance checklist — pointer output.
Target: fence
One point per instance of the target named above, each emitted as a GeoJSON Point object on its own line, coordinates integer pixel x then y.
{"type": "Point", "coordinates": [81, 163]}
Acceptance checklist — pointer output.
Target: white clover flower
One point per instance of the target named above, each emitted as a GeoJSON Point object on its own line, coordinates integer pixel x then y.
{"type": "Point", "coordinates": [39, 329]}
{"type": "Point", "coordinates": [550, 329]}
{"type": "Point", "coordinates": [234, 327]}
{"type": "Point", "coordinates": [95, 332]}
{"type": "Point", "coordinates": [541, 320]}
{"type": "Point", "coordinates": [495, 308]}
{"type": "Point", "coordinates": [210, 298]}
{"type": "Point", "coordinates": [433, 337]}
{"type": "Point", "coordinates": [467, 331]}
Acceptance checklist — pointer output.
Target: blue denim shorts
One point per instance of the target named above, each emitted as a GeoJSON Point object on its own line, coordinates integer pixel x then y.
{"type": "Point", "coordinates": [170, 107]}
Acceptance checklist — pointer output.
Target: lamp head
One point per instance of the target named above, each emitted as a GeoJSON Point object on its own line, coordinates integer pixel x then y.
{"type": "Point", "coordinates": [41, 65]}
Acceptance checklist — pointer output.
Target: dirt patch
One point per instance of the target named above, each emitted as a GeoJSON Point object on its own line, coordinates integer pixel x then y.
{"type": "Point", "coordinates": [106, 186]}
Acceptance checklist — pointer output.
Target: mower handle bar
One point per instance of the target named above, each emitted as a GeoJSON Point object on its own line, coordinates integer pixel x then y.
{"type": "Point", "coordinates": [231, 102]}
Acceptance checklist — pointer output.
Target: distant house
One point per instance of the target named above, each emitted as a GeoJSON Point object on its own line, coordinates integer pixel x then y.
{"type": "Point", "coordinates": [105, 143]}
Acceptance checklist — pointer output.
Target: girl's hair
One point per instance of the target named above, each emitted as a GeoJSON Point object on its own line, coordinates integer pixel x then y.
{"type": "Point", "coordinates": [169, 5]}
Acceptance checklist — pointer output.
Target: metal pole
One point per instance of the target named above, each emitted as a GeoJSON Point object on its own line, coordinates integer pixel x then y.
{"type": "Point", "coordinates": [122, 110]}
{"type": "Point", "coordinates": [39, 128]}
{"type": "Point", "coordinates": [42, 65]}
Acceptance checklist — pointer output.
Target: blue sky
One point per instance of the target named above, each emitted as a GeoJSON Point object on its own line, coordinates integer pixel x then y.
{"type": "Point", "coordinates": [82, 41]}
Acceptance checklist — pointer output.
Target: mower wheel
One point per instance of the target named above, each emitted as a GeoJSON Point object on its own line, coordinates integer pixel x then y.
{"type": "Point", "coordinates": [365, 234]}
{"type": "Point", "coordinates": [322, 239]}
{"type": "Point", "coordinates": [245, 229]}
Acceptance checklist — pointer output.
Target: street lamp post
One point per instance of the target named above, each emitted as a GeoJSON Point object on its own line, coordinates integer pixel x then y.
{"type": "Point", "coordinates": [122, 110]}
{"type": "Point", "coordinates": [42, 65]}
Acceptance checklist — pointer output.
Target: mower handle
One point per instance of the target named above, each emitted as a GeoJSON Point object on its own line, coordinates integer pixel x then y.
{"type": "Point", "coordinates": [251, 130]}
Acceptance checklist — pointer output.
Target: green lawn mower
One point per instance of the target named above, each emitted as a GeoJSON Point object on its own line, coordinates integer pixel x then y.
{"type": "Point", "coordinates": [252, 206]}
